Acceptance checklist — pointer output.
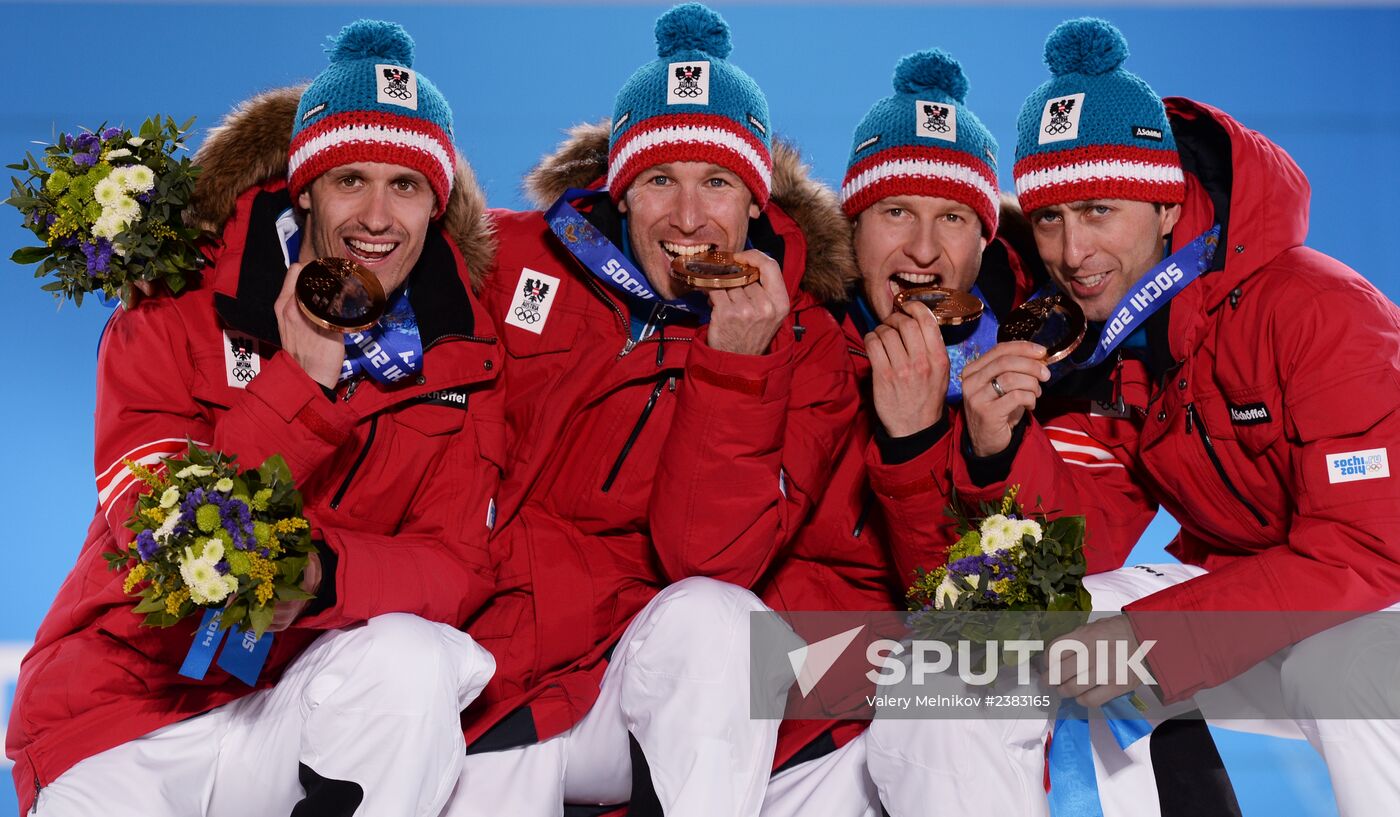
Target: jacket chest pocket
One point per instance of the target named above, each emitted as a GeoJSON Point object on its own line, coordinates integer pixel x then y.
{"type": "Point", "coordinates": [1251, 417]}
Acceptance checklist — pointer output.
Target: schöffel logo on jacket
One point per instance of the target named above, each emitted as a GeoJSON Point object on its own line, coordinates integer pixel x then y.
{"type": "Point", "coordinates": [457, 398]}
{"type": "Point", "coordinates": [1144, 132]}
{"type": "Point", "coordinates": [1250, 414]}
{"type": "Point", "coordinates": [1352, 466]}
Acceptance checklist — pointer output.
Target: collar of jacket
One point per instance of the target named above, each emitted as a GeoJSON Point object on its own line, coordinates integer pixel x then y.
{"type": "Point", "coordinates": [437, 295]}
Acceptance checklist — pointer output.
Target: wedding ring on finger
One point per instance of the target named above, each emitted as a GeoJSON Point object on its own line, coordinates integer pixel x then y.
{"type": "Point", "coordinates": [996, 387]}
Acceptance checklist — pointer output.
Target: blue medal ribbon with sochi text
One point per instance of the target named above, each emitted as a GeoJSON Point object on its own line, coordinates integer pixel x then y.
{"type": "Point", "coordinates": [391, 350]}
{"type": "Point", "coordinates": [968, 349]}
{"type": "Point", "coordinates": [1157, 286]}
{"type": "Point", "coordinates": [603, 258]}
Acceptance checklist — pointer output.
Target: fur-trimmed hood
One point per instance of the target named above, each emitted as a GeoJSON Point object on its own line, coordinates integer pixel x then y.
{"type": "Point", "coordinates": [831, 270]}
{"type": "Point", "coordinates": [250, 145]}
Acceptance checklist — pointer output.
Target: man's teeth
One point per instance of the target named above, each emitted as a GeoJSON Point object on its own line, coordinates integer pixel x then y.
{"type": "Point", "coordinates": [368, 247]}
{"type": "Point", "coordinates": [1091, 281]}
{"type": "Point", "coordinates": [686, 249]}
{"type": "Point", "coordinates": [918, 278]}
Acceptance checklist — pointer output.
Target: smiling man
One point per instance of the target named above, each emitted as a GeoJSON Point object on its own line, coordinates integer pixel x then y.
{"type": "Point", "coordinates": [393, 437]}
{"type": "Point", "coordinates": [1242, 404]}
{"type": "Point", "coordinates": [667, 444]}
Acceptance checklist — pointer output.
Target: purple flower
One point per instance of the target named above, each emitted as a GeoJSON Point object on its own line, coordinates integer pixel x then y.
{"type": "Point", "coordinates": [85, 142]}
{"type": "Point", "coordinates": [146, 545]}
{"type": "Point", "coordinates": [222, 567]}
{"type": "Point", "coordinates": [85, 159]}
{"type": "Point", "coordinates": [110, 133]}
{"type": "Point", "coordinates": [99, 255]}
{"type": "Point", "coordinates": [146, 197]}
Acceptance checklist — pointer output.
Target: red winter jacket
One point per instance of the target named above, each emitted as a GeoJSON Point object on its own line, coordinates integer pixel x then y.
{"type": "Point", "coordinates": [634, 465]}
{"type": "Point", "coordinates": [1285, 360]}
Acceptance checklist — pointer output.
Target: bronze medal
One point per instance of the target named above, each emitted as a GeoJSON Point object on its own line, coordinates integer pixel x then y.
{"type": "Point", "coordinates": [1055, 322]}
{"type": "Point", "coordinates": [713, 270]}
{"type": "Point", "coordinates": [338, 294]}
{"type": "Point", "coordinates": [949, 307]}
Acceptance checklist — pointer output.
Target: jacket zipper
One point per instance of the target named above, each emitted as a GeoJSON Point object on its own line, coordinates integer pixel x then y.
{"type": "Point", "coordinates": [1192, 418]}
{"type": "Point", "coordinates": [38, 787]}
{"type": "Point", "coordinates": [864, 512]}
{"type": "Point", "coordinates": [636, 431]}
{"type": "Point", "coordinates": [364, 452]}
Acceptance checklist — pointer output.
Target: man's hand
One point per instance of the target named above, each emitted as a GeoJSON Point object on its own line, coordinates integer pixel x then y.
{"type": "Point", "coordinates": [1122, 643]}
{"type": "Point", "coordinates": [319, 352]}
{"type": "Point", "coordinates": [745, 319]}
{"type": "Point", "coordinates": [998, 388]}
{"type": "Point", "coordinates": [285, 612]}
{"type": "Point", "coordinates": [909, 371]}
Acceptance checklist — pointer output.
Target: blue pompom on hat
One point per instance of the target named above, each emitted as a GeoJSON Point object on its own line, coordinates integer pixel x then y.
{"type": "Point", "coordinates": [691, 105]}
{"type": "Point", "coordinates": [370, 105]}
{"type": "Point", "coordinates": [923, 141]}
{"type": "Point", "coordinates": [1094, 130]}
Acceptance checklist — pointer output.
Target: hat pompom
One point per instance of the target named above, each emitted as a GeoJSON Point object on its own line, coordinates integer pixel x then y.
{"type": "Point", "coordinates": [1085, 46]}
{"type": "Point", "coordinates": [933, 70]}
{"type": "Point", "coordinates": [692, 27]}
{"type": "Point", "coordinates": [372, 39]}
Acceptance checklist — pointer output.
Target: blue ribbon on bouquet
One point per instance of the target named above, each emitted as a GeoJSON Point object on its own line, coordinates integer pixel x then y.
{"type": "Point", "coordinates": [243, 655]}
{"type": "Point", "coordinates": [1074, 789]}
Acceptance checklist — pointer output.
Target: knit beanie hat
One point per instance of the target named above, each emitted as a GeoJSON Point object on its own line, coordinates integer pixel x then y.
{"type": "Point", "coordinates": [1094, 131]}
{"type": "Point", "coordinates": [370, 105]}
{"type": "Point", "coordinates": [691, 105]}
{"type": "Point", "coordinates": [922, 141]}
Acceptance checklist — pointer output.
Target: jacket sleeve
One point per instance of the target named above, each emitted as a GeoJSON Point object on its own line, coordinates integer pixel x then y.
{"type": "Point", "coordinates": [436, 564]}
{"type": "Point", "coordinates": [1064, 468]}
{"type": "Point", "coordinates": [149, 406]}
{"type": "Point", "coordinates": [750, 451]}
{"type": "Point", "coordinates": [1340, 376]}
{"type": "Point", "coordinates": [912, 497]}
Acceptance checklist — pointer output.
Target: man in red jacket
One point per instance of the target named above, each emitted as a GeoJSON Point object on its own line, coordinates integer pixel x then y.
{"type": "Point", "coordinates": [1257, 403]}
{"type": "Point", "coordinates": [355, 709]}
{"type": "Point", "coordinates": [661, 437]}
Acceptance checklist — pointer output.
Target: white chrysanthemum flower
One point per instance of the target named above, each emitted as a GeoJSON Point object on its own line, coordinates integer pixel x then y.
{"type": "Point", "coordinates": [195, 571]}
{"type": "Point", "coordinates": [139, 179]}
{"type": "Point", "coordinates": [1028, 527]}
{"type": "Point", "coordinates": [213, 551]}
{"type": "Point", "coordinates": [136, 141]}
{"type": "Point", "coordinates": [119, 153]}
{"type": "Point", "coordinates": [108, 191]}
{"type": "Point", "coordinates": [167, 527]}
{"type": "Point", "coordinates": [194, 471]}
{"type": "Point", "coordinates": [211, 591]}
{"type": "Point", "coordinates": [170, 497]}
{"type": "Point", "coordinates": [946, 594]}
{"type": "Point", "coordinates": [998, 533]}
{"type": "Point", "coordinates": [126, 208]}
{"type": "Point", "coordinates": [108, 225]}
{"type": "Point", "coordinates": [224, 485]}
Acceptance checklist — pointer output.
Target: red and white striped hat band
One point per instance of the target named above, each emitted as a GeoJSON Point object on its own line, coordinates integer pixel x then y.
{"type": "Point", "coordinates": [923, 171]}
{"type": "Point", "coordinates": [690, 138]}
{"type": "Point", "coordinates": [1099, 172]}
{"type": "Point", "coordinates": [365, 136]}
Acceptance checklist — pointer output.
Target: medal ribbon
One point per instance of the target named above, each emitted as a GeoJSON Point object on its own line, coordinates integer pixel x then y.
{"type": "Point", "coordinates": [602, 258]}
{"type": "Point", "coordinates": [982, 339]}
{"type": "Point", "coordinates": [1157, 286]}
{"type": "Point", "coordinates": [1074, 789]}
{"type": "Point", "coordinates": [391, 350]}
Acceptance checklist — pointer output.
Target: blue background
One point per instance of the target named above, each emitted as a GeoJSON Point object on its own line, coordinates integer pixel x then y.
{"type": "Point", "coordinates": [1320, 82]}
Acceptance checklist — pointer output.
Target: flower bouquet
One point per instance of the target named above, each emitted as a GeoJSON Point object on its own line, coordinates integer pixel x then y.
{"type": "Point", "coordinates": [108, 206]}
{"type": "Point", "coordinates": [1007, 560]}
{"type": "Point", "coordinates": [211, 536]}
